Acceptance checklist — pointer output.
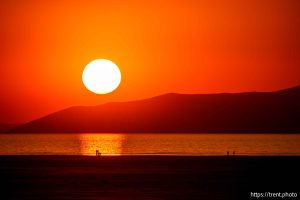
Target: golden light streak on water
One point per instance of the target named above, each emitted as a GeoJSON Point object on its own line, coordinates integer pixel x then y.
{"type": "Point", "coordinates": [107, 144]}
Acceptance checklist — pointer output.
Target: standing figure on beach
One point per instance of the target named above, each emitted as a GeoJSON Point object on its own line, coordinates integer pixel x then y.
{"type": "Point", "coordinates": [98, 153]}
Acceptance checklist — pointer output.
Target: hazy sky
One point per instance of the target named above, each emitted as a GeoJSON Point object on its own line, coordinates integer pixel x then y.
{"type": "Point", "coordinates": [187, 46]}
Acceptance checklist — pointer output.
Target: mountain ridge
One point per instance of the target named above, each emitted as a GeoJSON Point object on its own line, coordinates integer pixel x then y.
{"type": "Point", "coordinates": [247, 112]}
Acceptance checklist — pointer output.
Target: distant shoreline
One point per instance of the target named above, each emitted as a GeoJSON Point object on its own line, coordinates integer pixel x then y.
{"type": "Point", "coordinates": [285, 133]}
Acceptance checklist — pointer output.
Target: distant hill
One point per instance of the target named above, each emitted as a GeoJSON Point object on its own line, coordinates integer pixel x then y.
{"type": "Point", "coordinates": [251, 112]}
{"type": "Point", "coordinates": [6, 127]}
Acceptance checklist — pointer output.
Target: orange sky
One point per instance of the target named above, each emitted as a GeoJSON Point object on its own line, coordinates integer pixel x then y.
{"type": "Point", "coordinates": [187, 46]}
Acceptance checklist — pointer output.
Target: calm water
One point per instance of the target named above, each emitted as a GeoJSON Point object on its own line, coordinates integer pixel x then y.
{"type": "Point", "coordinates": [150, 144]}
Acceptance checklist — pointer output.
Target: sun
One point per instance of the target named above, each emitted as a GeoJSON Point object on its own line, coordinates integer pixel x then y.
{"type": "Point", "coordinates": [101, 76]}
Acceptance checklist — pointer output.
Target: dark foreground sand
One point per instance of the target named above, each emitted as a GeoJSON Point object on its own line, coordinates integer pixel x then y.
{"type": "Point", "coordinates": [145, 177]}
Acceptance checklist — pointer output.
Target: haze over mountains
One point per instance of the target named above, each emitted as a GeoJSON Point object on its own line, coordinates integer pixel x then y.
{"type": "Point", "coordinates": [251, 112]}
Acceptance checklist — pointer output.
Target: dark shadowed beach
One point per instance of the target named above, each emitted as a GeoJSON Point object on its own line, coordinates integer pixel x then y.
{"type": "Point", "coordinates": [146, 177]}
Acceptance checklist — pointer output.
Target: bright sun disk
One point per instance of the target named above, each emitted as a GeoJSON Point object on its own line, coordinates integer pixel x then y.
{"type": "Point", "coordinates": [101, 76]}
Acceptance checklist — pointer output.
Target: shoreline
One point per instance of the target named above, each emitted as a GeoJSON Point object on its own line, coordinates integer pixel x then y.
{"type": "Point", "coordinates": [145, 177]}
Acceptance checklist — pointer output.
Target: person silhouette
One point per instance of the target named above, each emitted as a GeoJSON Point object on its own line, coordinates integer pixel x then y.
{"type": "Point", "coordinates": [227, 153]}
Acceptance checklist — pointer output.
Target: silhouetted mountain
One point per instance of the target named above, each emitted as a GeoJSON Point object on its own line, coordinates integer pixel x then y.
{"type": "Point", "coordinates": [6, 127]}
{"type": "Point", "coordinates": [252, 112]}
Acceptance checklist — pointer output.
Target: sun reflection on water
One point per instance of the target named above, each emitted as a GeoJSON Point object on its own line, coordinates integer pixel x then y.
{"type": "Point", "coordinates": [107, 144]}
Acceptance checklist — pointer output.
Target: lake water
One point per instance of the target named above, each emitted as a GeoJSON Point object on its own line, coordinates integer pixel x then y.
{"type": "Point", "coordinates": [150, 144]}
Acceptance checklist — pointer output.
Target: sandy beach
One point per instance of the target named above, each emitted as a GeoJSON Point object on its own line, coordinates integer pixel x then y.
{"type": "Point", "coordinates": [145, 177]}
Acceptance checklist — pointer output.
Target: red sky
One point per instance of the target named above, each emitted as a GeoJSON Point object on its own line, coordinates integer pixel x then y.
{"type": "Point", "coordinates": [189, 46]}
